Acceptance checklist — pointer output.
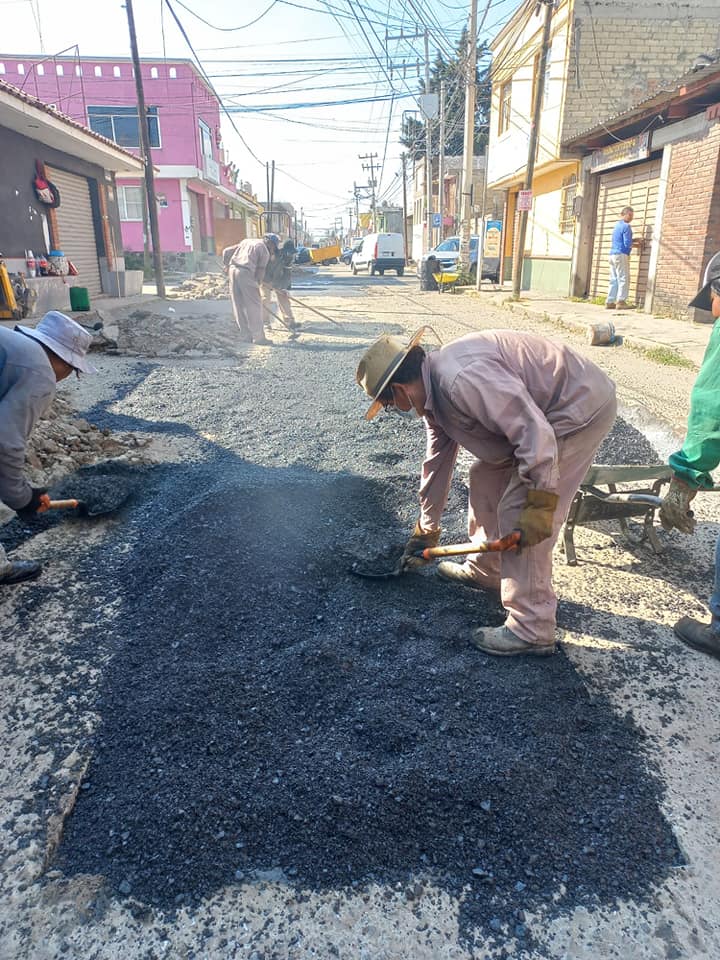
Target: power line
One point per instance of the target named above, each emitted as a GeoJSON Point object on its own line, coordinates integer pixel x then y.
{"type": "Point", "coordinates": [212, 26]}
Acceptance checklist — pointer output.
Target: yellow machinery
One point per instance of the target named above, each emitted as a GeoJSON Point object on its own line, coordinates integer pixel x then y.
{"type": "Point", "coordinates": [325, 255]}
{"type": "Point", "coordinates": [14, 294]}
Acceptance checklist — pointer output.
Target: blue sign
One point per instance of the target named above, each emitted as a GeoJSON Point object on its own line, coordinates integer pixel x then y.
{"type": "Point", "coordinates": [437, 219]}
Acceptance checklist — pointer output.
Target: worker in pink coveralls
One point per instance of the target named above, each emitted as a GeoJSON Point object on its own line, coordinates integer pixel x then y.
{"type": "Point", "coordinates": [533, 413]}
{"type": "Point", "coordinates": [246, 263]}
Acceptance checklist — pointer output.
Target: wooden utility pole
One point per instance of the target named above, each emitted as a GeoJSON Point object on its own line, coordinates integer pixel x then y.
{"type": "Point", "coordinates": [147, 156]}
{"type": "Point", "coordinates": [428, 150]}
{"type": "Point", "coordinates": [518, 259]}
{"type": "Point", "coordinates": [372, 167]}
{"type": "Point", "coordinates": [405, 212]}
{"type": "Point", "coordinates": [468, 144]}
{"type": "Point", "coordinates": [441, 163]}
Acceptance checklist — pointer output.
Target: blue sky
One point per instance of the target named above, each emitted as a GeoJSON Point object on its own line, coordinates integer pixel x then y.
{"type": "Point", "coordinates": [304, 52]}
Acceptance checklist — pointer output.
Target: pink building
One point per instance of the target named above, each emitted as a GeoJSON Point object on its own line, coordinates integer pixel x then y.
{"type": "Point", "coordinates": [202, 205]}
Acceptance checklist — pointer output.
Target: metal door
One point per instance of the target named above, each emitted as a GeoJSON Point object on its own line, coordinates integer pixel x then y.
{"type": "Point", "coordinates": [76, 228]}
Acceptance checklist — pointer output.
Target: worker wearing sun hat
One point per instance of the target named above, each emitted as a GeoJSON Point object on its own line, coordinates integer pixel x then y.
{"type": "Point", "coordinates": [699, 455]}
{"type": "Point", "coordinates": [533, 413]}
{"type": "Point", "coordinates": [32, 361]}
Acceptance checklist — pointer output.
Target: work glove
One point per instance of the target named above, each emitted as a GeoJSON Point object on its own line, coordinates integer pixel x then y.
{"type": "Point", "coordinates": [30, 510]}
{"type": "Point", "coordinates": [536, 520]}
{"type": "Point", "coordinates": [419, 540]}
{"type": "Point", "coordinates": [675, 507]}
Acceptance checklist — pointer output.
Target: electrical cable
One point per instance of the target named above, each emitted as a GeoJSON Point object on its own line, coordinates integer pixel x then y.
{"type": "Point", "coordinates": [212, 26]}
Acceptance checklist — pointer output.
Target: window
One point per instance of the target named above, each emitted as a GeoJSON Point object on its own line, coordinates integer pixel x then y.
{"type": "Point", "coordinates": [116, 71]}
{"type": "Point", "coordinates": [448, 245]}
{"type": "Point", "coordinates": [59, 69]}
{"type": "Point", "coordinates": [205, 140]}
{"type": "Point", "coordinates": [121, 124]}
{"type": "Point", "coordinates": [568, 193]}
{"type": "Point", "coordinates": [78, 70]}
{"type": "Point", "coordinates": [130, 202]}
{"type": "Point", "coordinates": [153, 73]}
{"type": "Point", "coordinates": [40, 70]}
{"type": "Point", "coordinates": [98, 71]}
{"type": "Point", "coordinates": [504, 109]}
{"type": "Point", "coordinates": [173, 73]}
{"type": "Point", "coordinates": [21, 68]}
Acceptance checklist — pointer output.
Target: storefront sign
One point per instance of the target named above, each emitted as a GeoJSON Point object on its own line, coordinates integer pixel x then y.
{"type": "Point", "coordinates": [525, 198]}
{"type": "Point", "coordinates": [493, 233]}
{"type": "Point", "coordinates": [713, 113]}
{"type": "Point", "coordinates": [620, 153]}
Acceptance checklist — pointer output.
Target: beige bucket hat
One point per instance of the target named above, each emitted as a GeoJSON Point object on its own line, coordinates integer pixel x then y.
{"type": "Point", "coordinates": [64, 337]}
{"type": "Point", "coordinates": [379, 363]}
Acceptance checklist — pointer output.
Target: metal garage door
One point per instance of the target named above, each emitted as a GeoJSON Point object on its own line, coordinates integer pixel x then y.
{"type": "Point", "coordinates": [637, 187]}
{"type": "Point", "coordinates": [76, 230]}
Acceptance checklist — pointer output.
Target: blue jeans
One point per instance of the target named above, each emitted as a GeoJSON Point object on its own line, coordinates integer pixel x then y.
{"type": "Point", "coordinates": [714, 602]}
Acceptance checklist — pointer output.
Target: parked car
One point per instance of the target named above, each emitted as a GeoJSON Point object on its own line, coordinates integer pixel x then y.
{"type": "Point", "coordinates": [303, 255]}
{"type": "Point", "coordinates": [448, 251]}
{"type": "Point", "coordinates": [346, 255]}
{"type": "Point", "coordinates": [380, 252]}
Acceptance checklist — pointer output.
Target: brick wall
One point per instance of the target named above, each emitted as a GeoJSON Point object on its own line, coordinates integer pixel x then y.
{"type": "Point", "coordinates": [625, 51]}
{"type": "Point", "coordinates": [691, 222]}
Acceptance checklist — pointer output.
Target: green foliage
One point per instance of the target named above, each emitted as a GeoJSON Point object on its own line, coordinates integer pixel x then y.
{"type": "Point", "coordinates": [452, 72]}
{"type": "Point", "coordinates": [668, 357]}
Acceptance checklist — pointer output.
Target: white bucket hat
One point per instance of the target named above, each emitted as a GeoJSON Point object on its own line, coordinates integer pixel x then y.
{"type": "Point", "coordinates": [380, 362]}
{"type": "Point", "coordinates": [64, 337]}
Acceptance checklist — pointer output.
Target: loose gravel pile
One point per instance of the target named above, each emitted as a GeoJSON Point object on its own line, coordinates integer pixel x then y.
{"type": "Point", "coordinates": [268, 716]}
{"type": "Point", "coordinates": [208, 286]}
{"type": "Point", "coordinates": [172, 335]}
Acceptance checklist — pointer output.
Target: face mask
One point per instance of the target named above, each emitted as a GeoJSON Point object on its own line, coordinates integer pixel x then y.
{"type": "Point", "coordinates": [410, 414]}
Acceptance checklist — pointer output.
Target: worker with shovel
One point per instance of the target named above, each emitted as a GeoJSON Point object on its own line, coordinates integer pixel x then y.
{"type": "Point", "coordinates": [278, 280]}
{"type": "Point", "coordinates": [247, 263]}
{"type": "Point", "coordinates": [699, 455]}
{"type": "Point", "coordinates": [533, 413]}
{"type": "Point", "coordinates": [32, 362]}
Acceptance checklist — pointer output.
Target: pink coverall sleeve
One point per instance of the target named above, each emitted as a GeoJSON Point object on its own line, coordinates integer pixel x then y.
{"type": "Point", "coordinates": [437, 470]}
{"type": "Point", "coordinates": [499, 399]}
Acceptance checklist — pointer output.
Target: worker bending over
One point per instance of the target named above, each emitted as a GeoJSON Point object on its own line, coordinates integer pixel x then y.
{"type": "Point", "coordinates": [533, 413]}
{"type": "Point", "coordinates": [278, 279]}
{"type": "Point", "coordinates": [699, 455]}
{"type": "Point", "coordinates": [32, 362]}
{"type": "Point", "coordinates": [246, 263]}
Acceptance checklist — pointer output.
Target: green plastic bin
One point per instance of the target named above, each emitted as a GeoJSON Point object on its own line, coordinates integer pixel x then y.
{"type": "Point", "coordinates": [79, 298]}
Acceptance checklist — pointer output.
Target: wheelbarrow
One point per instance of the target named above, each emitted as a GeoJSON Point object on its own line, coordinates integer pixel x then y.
{"type": "Point", "coordinates": [634, 509]}
{"type": "Point", "coordinates": [445, 281]}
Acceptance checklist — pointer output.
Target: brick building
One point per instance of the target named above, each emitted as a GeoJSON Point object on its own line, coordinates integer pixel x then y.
{"type": "Point", "coordinates": [605, 57]}
{"type": "Point", "coordinates": [663, 158]}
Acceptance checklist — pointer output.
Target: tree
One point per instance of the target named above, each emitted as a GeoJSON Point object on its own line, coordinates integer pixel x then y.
{"type": "Point", "coordinates": [452, 72]}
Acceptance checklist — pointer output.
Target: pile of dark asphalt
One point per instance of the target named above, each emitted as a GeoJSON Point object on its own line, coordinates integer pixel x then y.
{"type": "Point", "coordinates": [267, 715]}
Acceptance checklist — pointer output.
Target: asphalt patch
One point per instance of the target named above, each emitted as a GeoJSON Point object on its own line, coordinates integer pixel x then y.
{"type": "Point", "coordinates": [267, 715]}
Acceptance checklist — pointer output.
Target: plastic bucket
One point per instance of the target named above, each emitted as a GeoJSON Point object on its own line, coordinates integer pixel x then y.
{"type": "Point", "coordinates": [601, 334]}
{"type": "Point", "coordinates": [79, 298]}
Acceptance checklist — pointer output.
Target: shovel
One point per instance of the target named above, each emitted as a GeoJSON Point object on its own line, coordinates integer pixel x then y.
{"type": "Point", "coordinates": [81, 507]}
{"type": "Point", "coordinates": [509, 542]}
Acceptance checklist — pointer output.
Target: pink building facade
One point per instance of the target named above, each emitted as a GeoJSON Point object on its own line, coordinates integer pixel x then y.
{"type": "Point", "coordinates": [201, 204]}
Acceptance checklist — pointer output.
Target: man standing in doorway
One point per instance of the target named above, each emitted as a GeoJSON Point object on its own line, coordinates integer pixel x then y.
{"type": "Point", "coordinates": [620, 247]}
{"type": "Point", "coordinates": [246, 263]}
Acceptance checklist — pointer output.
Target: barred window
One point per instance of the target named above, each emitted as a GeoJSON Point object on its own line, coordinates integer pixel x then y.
{"type": "Point", "coordinates": [505, 107]}
{"type": "Point", "coordinates": [567, 204]}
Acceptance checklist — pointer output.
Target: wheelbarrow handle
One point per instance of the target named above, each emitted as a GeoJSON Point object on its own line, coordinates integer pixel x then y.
{"type": "Point", "coordinates": [648, 499]}
{"type": "Point", "coordinates": [509, 542]}
{"type": "Point", "coordinates": [47, 504]}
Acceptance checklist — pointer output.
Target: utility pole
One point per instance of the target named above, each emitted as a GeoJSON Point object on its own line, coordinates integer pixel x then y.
{"type": "Point", "coordinates": [147, 156]}
{"type": "Point", "coordinates": [372, 167]}
{"type": "Point", "coordinates": [428, 149]}
{"type": "Point", "coordinates": [441, 163]}
{"type": "Point", "coordinates": [517, 267]}
{"type": "Point", "coordinates": [405, 212]}
{"type": "Point", "coordinates": [468, 143]}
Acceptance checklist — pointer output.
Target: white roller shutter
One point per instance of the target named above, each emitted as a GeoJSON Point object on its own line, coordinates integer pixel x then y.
{"type": "Point", "coordinates": [637, 187]}
{"type": "Point", "coordinates": [76, 228]}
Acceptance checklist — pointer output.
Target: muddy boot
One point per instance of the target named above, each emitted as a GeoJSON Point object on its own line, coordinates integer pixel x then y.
{"type": "Point", "coordinates": [465, 574]}
{"type": "Point", "coordinates": [502, 642]}
{"type": "Point", "coordinates": [19, 571]}
{"type": "Point", "coordinates": [700, 636]}
{"type": "Point", "coordinates": [609, 306]}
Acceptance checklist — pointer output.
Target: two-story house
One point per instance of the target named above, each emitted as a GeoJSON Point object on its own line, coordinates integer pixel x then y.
{"type": "Point", "coordinates": [604, 57]}
{"type": "Point", "coordinates": [196, 182]}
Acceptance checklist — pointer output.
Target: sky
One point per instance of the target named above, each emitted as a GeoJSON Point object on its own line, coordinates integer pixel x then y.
{"type": "Point", "coordinates": [269, 61]}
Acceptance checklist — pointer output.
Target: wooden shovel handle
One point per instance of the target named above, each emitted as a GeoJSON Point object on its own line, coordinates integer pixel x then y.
{"type": "Point", "coordinates": [509, 542]}
{"type": "Point", "coordinates": [47, 504]}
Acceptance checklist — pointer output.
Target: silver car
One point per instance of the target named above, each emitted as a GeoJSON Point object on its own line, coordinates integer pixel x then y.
{"type": "Point", "coordinates": [448, 251]}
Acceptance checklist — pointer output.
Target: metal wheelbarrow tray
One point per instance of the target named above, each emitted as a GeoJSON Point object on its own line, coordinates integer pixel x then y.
{"type": "Point", "coordinates": [592, 504]}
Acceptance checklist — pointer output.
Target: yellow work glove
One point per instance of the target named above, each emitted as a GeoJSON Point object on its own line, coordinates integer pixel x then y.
{"type": "Point", "coordinates": [675, 508]}
{"type": "Point", "coordinates": [536, 520]}
{"type": "Point", "coordinates": [419, 540]}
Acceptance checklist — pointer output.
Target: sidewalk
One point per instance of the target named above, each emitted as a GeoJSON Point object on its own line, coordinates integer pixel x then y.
{"type": "Point", "coordinates": [638, 330]}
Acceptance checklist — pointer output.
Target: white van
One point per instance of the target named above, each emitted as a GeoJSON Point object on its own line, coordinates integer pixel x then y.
{"type": "Point", "coordinates": [380, 252]}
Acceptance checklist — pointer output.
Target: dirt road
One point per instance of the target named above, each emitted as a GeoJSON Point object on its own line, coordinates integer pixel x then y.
{"type": "Point", "coordinates": [220, 744]}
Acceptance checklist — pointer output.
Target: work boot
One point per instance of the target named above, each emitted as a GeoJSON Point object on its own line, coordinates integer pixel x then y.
{"type": "Point", "coordinates": [21, 570]}
{"type": "Point", "coordinates": [700, 636]}
{"type": "Point", "coordinates": [462, 573]}
{"type": "Point", "coordinates": [502, 642]}
{"type": "Point", "coordinates": [622, 305]}
{"type": "Point", "coordinates": [609, 306]}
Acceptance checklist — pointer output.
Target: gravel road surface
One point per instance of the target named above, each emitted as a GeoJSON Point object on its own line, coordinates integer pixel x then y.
{"type": "Point", "coordinates": [220, 743]}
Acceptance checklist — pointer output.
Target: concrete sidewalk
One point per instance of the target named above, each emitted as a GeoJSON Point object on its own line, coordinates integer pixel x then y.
{"type": "Point", "coordinates": [638, 329]}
